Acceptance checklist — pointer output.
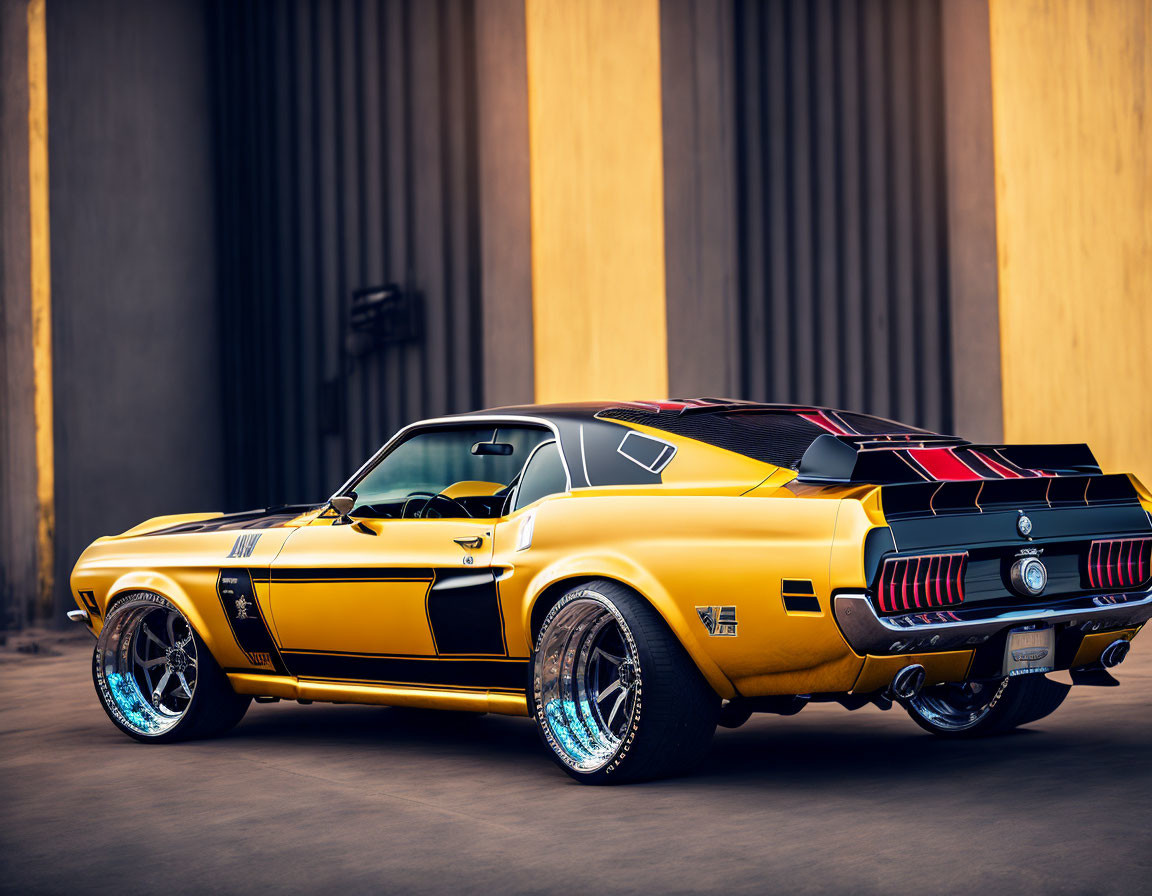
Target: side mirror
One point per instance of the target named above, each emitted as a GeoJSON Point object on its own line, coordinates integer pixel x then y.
{"type": "Point", "coordinates": [500, 448]}
{"type": "Point", "coordinates": [343, 504]}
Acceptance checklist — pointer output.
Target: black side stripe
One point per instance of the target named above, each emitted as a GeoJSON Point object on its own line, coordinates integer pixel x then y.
{"type": "Point", "coordinates": [238, 599]}
{"type": "Point", "coordinates": [475, 673]}
{"type": "Point", "coordinates": [353, 574]}
{"type": "Point", "coordinates": [464, 614]}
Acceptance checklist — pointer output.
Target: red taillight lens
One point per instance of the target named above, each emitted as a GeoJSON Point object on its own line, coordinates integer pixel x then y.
{"type": "Point", "coordinates": [1120, 563]}
{"type": "Point", "coordinates": [921, 583]}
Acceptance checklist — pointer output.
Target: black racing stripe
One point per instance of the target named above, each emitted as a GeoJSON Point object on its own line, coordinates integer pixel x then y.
{"type": "Point", "coordinates": [353, 574]}
{"type": "Point", "coordinates": [246, 619]}
{"type": "Point", "coordinates": [972, 460]}
{"type": "Point", "coordinates": [801, 603]}
{"type": "Point", "coordinates": [268, 518]}
{"type": "Point", "coordinates": [464, 613]}
{"type": "Point", "coordinates": [476, 673]}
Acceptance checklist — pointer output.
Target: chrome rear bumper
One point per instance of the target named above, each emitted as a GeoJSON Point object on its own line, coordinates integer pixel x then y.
{"type": "Point", "coordinates": [869, 633]}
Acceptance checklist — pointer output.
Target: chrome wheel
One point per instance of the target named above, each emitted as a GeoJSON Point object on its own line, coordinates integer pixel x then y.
{"type": "Point", "coordinates": [955, 707]}
{"type": "Point", "coordinates": [146, 665]}
{"type": "Point", "coordinates": [587, 681]}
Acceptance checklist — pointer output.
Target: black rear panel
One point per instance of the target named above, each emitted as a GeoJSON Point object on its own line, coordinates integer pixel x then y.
{"type": "Point", "coordinates": [1066, 515]}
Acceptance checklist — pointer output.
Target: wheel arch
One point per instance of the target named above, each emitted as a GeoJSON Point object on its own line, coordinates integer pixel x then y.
{"type": "Point", "coordinates": [169, 589]}
{"type": "Point", "coordinates": [551, 588]}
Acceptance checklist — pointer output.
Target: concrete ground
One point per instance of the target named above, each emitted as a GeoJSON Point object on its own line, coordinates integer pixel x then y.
{"type": "Point", "coordinates": [309, 798]}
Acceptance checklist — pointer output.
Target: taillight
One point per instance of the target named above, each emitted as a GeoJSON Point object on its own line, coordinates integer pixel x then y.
{"type": "Point", "coordinates": [1120, 563]}
{"type": "Point", "coordinates": [921, 583]}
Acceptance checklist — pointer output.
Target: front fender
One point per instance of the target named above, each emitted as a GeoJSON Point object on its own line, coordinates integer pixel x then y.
{"type": "Point", "coordinates": [169, 588]}
{"type": "Point", "coordinates": [621, 568]}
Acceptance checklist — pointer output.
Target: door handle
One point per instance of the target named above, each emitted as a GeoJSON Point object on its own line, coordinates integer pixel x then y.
{"type": "Point", "coordinates": [471, 543]}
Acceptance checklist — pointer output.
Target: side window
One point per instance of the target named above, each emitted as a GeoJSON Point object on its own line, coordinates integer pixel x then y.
{"type": "Point", "coordinates": [450, 471]}
{"type": "Point", "coordinates": [647, 452]}
{"type": "Point", "coordinates": [544, 475]}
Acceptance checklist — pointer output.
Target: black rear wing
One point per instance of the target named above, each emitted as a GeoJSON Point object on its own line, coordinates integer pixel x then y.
{"type": "Point", "coordinates": [932, 459]}
{"type": "Point", "coordinates": [944, 498]}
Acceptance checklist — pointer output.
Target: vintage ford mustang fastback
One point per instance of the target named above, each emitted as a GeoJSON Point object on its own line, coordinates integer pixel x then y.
{"type": "Point", "coordinates": [631, 575]}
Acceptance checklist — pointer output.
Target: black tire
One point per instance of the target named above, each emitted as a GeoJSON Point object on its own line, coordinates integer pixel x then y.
{"type": "Point", "coordinates": [1027, 698]}
{"type": "Point", "coordinates": [213, 707]}
{"type": "Point", "coordinates": [673, 710]}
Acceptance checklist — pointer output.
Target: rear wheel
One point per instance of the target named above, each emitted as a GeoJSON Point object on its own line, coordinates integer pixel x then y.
{"type": "Point", "coordinates": [155, 677]}
{"type": "Point", "coordinates": [978, 708]}
{"type": "Point", "coordinates": [614, 695]}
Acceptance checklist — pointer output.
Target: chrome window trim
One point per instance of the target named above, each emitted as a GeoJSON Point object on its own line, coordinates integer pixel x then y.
{"type": "Point", "coordinates": [583, 456]}
{"type": "Point", "coordinates": [660, 463]}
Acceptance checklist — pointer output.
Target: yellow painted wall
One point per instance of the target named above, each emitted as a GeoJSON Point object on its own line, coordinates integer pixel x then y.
{"type": "Point", "coordinates": [1072, 108]}
{"type": "Point", "coordinates": [41, 302]}
{"type": "Point", "coordinates": [597, 199]}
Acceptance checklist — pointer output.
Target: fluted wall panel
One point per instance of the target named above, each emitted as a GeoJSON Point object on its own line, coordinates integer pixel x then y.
{"type": "Point", "coordinates": [347, 157]}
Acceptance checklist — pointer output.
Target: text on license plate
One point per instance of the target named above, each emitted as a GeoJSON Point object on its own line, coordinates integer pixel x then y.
{"type": "Point", "coordinates": [1030, 650]}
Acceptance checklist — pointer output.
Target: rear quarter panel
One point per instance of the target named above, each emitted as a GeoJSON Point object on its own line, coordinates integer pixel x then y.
{"type": "Point", "coordinates": [687, 551]}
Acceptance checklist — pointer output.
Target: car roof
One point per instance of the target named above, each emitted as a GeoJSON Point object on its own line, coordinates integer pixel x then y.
{"type": "Point", "coordinates": [777, 434]}
{"type": "Point", "coordinates": [676, 407]}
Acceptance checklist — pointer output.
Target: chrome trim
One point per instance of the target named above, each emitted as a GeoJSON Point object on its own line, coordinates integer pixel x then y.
{"type": "Point", "coordinates": [583, 456]}
{"type": "Point", "coordinates": [1115, 653]}
{"type": "Point", "coordinates": [586, 679]}
{"type": "Point", "coordinates": [659, 464]}
{"type": "Point", "coordinates": [908, 682]}
{"type": "Point", "coordinates": [146, 676]}
{"type": "Point", "coordinates": [84, 617]}
{"type": "Point", "coordinates": [1019, 576]}
{"type": "Point", "coordinates": [869, 633]}
{"type": "Point", "coordinates": [955, 707]}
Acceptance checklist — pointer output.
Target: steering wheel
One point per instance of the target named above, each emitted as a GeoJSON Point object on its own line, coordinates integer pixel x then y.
{"type": "Point", "coordinates": [422, 512]}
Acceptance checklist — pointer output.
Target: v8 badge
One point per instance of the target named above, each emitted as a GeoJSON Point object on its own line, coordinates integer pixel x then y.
{"type": "Point", "coordinates": [720, 621]}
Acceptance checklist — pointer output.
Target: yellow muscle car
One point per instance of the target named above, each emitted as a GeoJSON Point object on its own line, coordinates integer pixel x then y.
{"type": "Point", "coordinates": [631, 575]}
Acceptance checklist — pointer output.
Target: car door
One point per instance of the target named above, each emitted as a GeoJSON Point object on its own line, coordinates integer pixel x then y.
{"type": "Point", "coordinates": [401, 600]}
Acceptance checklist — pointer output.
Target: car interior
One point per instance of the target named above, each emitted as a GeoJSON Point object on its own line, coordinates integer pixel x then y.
{"type": "Point", "coordinates": [461, 472]}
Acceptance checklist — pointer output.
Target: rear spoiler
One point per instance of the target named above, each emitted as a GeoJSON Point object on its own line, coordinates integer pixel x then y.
{"type": "Point", "coordinates": [934, 498]}
{"type": "Point", "coordinates": [915, 459]}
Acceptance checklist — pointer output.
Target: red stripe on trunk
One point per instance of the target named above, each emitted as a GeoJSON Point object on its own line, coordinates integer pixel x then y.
{"type": "Point", "coordinates": [943, 464]}
{"type": "Point", "coordinates": [999, 468]}
{"type": "Point", "coordinates": [824, 423]}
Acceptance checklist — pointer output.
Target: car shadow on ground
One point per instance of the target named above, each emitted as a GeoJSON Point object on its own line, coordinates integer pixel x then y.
{"type": "Point", "coordinates": [771, 751]}
{"type": "Point", "coordinates": [390, 728]}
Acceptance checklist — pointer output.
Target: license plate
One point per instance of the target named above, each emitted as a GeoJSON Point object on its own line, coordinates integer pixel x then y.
{"type": "Point", "coordinates": [1029, 650]}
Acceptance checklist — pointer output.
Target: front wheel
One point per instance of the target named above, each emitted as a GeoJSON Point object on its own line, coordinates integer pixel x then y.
{"type": "Point", "coordinates": [155, 677]}
{"type": "Point", "coordinates": [978, 708]}
{"type": "Point", "coordinates": [614, 695]}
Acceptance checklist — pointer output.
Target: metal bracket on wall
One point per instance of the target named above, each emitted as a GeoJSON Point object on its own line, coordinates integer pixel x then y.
{"type": "Point", "coordinates": [381, 315]}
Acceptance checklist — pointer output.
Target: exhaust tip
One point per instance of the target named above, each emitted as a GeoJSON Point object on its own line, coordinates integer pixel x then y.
{"type": "Point", "coordinates": [1115, 653]}
{"type": "Point", "coordinates": [908, 682]}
